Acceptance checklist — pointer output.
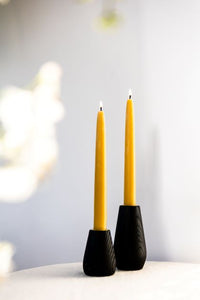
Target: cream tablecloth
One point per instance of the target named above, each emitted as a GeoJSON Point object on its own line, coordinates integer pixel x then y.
{"type": "Point", "coordinates": [158, 280]}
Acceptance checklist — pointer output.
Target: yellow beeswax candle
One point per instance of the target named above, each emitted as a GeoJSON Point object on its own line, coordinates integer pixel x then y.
{"type": "Point", "coordinates": [100, 213]}
{"type": "Point", "coordinates": [129, 164]}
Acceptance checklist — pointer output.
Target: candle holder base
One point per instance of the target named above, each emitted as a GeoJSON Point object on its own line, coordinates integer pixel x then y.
{"type": "Point", "coordinates": [99, 257]}
{"type": "Point", "coordinates": [129, 245]}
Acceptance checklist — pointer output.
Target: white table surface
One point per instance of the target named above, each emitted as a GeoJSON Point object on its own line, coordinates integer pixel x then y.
{"type": "Point", "coordinates": [157, 280]}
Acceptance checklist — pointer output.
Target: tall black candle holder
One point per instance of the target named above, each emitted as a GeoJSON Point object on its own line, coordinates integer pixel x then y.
{"type": "Point", "coordinates": [129, 244]}
{"type": "Point", "coordinates": [99, 258]}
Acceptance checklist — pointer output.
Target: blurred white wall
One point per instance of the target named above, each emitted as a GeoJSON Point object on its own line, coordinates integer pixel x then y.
{"type": "Point", "coordinates": [156, 52]}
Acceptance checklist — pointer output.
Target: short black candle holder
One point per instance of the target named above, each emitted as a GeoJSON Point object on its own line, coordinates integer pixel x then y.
{"type": "Point", "coordinates": [99, 258]}
{"type": "Point", "coordinates": [129, 245]}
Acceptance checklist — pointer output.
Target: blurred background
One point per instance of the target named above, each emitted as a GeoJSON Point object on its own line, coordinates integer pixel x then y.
{"type": "Point", "coordinates": [58, 59]}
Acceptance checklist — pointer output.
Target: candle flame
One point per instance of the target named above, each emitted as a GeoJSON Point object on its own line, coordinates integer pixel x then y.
{"type": "Point", "coordinates": [130, 94]}
{"type": "Point", "coordinates": [100, 105]}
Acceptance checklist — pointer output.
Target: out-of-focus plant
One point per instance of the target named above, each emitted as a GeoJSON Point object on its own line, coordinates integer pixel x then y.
{"type": "Point", "coordinates": [6, 262]}
{"type": "Point", "coordinates": [109, 17]}
{"type": "Point", "coordinates": [28, 146]}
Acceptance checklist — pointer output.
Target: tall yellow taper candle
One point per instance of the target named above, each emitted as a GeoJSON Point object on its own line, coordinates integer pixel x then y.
{"type": "Point", "coordinates": [129, 165]}
{"type": "Point", "coordinates": [100, 214]}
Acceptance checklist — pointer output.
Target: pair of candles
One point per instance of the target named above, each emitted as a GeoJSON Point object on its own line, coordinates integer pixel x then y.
{"type": "Point", "coordinates": [100, 213]}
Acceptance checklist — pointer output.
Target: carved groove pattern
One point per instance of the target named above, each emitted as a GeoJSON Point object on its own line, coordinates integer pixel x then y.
{"type": "Point", "coordinates": [99, 258]}
{"type": "Point", "coordinates": [130, 247]}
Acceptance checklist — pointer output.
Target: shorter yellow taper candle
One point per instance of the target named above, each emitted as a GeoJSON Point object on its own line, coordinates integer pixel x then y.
{"type": "Point", "coordinates": [100, 213]}
{"type": "Point", "coordinates": [129, 163]}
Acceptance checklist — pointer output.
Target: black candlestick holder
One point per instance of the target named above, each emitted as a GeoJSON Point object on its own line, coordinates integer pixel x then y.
{"type": "Point", "coordinates": [129, 245]}
{"type": "Point", "coordinates": [99, 258]}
